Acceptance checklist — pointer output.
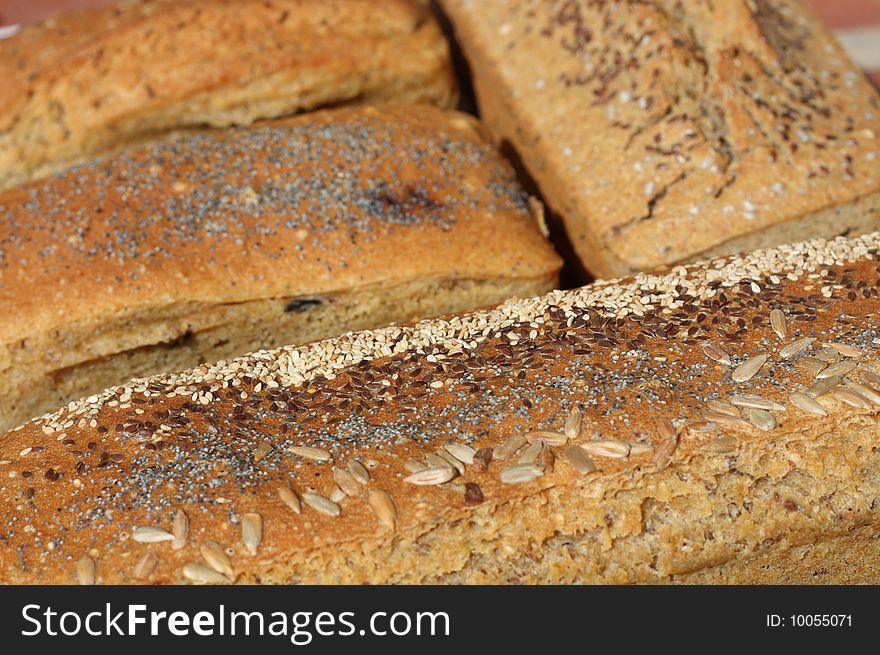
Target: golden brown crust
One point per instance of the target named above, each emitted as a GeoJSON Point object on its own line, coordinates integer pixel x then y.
{"type": "Point", "coordinates": [104, 257]}
{"type": "Point", "coordinates": [662, 130]}
{"type": "Point", "coordinates": [638, 373]}
{"type": "Point", "coordinates": [83, 84]}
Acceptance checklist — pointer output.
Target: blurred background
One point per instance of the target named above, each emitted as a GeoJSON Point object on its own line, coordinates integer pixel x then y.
{"type": "Point", "coordinates": [856, 22]}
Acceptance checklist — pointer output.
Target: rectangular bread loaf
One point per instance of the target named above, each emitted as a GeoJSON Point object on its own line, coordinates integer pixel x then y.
{"type": "Point", "coordinates": [214, 245]}
{"type": "Point", "coordinates": [709, 423]}
{"type": "Point", "coordinates": [662, 131]}
{"type": "Point", "coordinates": [83, 84]}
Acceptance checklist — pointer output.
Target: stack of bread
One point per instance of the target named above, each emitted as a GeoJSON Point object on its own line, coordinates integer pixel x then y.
{"type": "Point", "coordinates": [254, 336]}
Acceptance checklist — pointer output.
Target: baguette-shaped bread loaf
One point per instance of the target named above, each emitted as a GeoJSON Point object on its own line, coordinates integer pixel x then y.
{"type": "Point", "coordinates": [711, 423]}
{"type": "Point", "coordinates": [215, 245]}
{"type": "Point", "coordinates": [83, 84]}
{"type": "Point", "coordinates": [663, 131]}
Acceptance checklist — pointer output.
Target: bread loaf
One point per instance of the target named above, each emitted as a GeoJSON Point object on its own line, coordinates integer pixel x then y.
{"type": "Point", "coordinates": [663, 131]}
{"type": "Point", "coordinates": [84, 84]}
{"type": "Point", "coordinates": [709, 423]}
{"type": "Point", "coordinates": [214, 245]}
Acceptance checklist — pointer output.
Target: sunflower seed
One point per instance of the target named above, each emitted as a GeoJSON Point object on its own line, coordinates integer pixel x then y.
{"type": "Point", "coordinates": [203, 574]}
{"type": "Point", "coordinates": [864, 391]}
{"type": "Point", "coordinates": [723, 407]}
{"type": "Point", "coordinates": [414, 466]}
{"type": "Point", "coordinates": [215, 555]}
{"type": "Point", "coordinates": [85, 571]}
{"type": "Point", "coordinates": [778, 323]}
{"type": "Point", "coordinates": [520, 473]}
{"type": "Point", "coordinates": [795, 347]}
{"type": "Point", "coordinates": [811, 365]}
{"type": "Point", "coordinates": [723, 445]}
{"type": "Point", "coordinates": [359, 472]}
{"type": "Point", "coordinates": [314, 454]}
{"type": "Point", "coordinates": [462, 452]}
{"type": "Point", "coordinates": [261, 451]}
{"type": "Point", "coordinates": [715, 353]}
{"type": "Point", "coordinates": [827, 355]}
{"type": "Point", "coordinates": [663, 452]}
{"type": "Point", "coordinates": [757, 402]}
{"type": "Point", "coordinates": [180, 530]}
{"type": "Point", "coordinates": [148, 535]}
{"type": "Point", "coordinates": [841, 368]}
{"type": "Point", "coordinates": [749, 368]}
{"type": "Point", "coordinates": [850, 397]}
{"type": "Point", "coordinates": [871, 379]}
{"type": "Point", "coordinates": [821, 387]}
{"type": "Point", "coordinates": [346, 482]}
{"type": "Point", "coordinates": [336, 494]}
{"type": "Point", "coordinates": [548, 437]}
{"type": "Point", "coordinates": [434, 459]}
{"type": "Point", "coordinates": [807, 404]}
{"type": "Point", "coordinates": [449, 460]}
{"type": "Point", "coordinates": [252, 531]}
{"type": "Point", "coordinates": [574, 423]}
{"type": "Point", "coordinates": [321, 504]}
{"type": "Point", "coordinates": [288, 497]}
{"type": "Point", "coordinates": [724, 419]}
{"type": "Point", "coordinates": [761, 418]}
{"type": "Point", "coordinates": [665, 428]}
{"type": "Point", "coordinates": [579, 459]}
{"type": "Point", "coordinates": [639, 448]}
{"type": "Point", "coordinates": [530, 454]}
{"type": "Point", "coordinates": [383, 506]}
{"type": "Point", "coordinates": [845, 349]}
{"type": "Point", "coordinates": [509, 448]}
{"type": "Point", "coordinates": [431, 476]}
{"type": "Point", "coordinates": [613, 448]}
{"type": "Point", "coordinates": [145, 567]}
{"type": "Point", "coordinates": [702, 426]}
{"type": "Point", "coordinates": [445, 455]}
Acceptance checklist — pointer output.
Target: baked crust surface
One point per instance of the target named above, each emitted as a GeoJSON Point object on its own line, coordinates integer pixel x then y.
{"type": "Point", "coordinates": [84, 84]}
{"type": "Point", "coordinates": [663, 131]}
{"type": "Point", "coordinates": [224, 230]}
{"type": "Point", "coordinates": [694, 457]}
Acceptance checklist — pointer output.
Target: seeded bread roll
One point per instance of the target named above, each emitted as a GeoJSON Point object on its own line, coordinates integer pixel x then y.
{"type": "Point", "coordinates": [92, 82]}
{"type": "Point", "coordinates": [712, 423]}
{"type": "Point", "coordinates": [219, 244]}
{"type": "Point", "coordinates": [663, 131]}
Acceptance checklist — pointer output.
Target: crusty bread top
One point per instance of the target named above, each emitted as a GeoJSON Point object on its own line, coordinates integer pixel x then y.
{"type": "Point", "coordinates": [662, 129]}
{"type": "Point", "coordinates": [84, 488]}
{"type": "Point", "coordinates": [314, 204]}
{"type": "Point", "coordinates": [78, 84]}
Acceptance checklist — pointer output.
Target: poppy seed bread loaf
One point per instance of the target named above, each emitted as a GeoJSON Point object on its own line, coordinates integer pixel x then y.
{"type": "Point", "coordinates": [710, 423]}
{"type": "Point", "coordinates": [218, 244]}
{"type": "Point", "coordinates": [82, 85]}
{"type": "Point", "coordinates": [662, 131]}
